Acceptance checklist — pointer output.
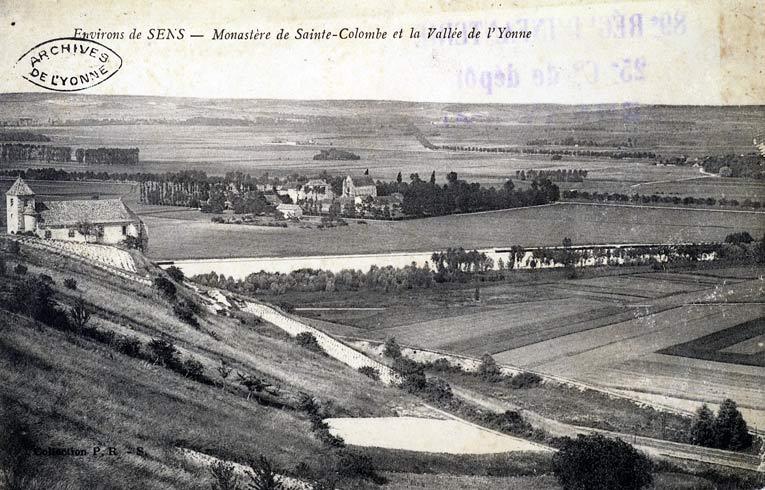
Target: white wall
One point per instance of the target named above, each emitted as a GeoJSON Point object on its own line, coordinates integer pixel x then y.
{"type": "Point", "coordinates": [112, 234]}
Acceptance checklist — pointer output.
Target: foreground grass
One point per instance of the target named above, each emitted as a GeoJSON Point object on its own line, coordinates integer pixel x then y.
{"type": "Point", "coordinates": [75, 393]}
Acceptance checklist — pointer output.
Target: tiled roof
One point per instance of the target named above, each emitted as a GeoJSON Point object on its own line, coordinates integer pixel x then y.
{"type": "Point", "coordinates": [19, 188]}
{"type": "Point", "coordinates": [65, 213]}
{"type": "Point", "coordinates": [364, 180]}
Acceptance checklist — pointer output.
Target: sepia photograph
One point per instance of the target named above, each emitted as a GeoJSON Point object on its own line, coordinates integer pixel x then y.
{"type": "Point", "coordinates": [345, 245]}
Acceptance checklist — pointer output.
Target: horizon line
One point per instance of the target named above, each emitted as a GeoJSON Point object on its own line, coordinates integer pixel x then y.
{"type": "Point", "coordinates": [278, 99]}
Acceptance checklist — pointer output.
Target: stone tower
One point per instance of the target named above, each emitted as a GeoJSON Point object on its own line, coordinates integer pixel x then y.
{"type": "Point", "coordinates": [18, 199]}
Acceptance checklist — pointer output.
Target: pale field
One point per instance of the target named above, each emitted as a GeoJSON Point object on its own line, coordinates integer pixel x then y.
{"type": "Point", "coordinates": [427, 435]}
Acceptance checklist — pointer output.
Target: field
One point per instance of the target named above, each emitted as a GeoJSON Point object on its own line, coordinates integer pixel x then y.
{"type": "Point", "coordinates": [607, 331]}
{"type": "Point", "coordinates": [739, 344]}
{"type": "Point", "coordinates": [380, 132]}
{"type": "Point", "coordinates": [427, 435]}
{"type": "Point", "coordinates": [541, 226]}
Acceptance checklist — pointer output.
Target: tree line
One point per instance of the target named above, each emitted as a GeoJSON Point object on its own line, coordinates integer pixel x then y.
{"type": "Point", "coordinates": [107, 156]}
{"type": "Point", "coordinates": [725, 430]}
{"type": "Point", "coordinates": [426, 198]}
{"type": "Point", "coordinates": [657, 199]}
{"type": "Point", "coordinates": [23, 136]}
{"type": "Point", "coordinates": [557, 175]}
{"type": "Point", "coordinates": [613, 154]}
{"type": "Point", "coordinates": [17, 152]}
{"type": "Point", "coordinates": [732, 165]}
{"type": "Point", "coordinates": [311, 280]}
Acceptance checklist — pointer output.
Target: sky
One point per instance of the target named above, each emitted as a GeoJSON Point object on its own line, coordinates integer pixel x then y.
{"type": "Point", "coordinates": [667, 52]}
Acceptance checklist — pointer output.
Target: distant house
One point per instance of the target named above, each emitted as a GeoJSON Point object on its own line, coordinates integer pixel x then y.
{"type": "Point", "coordinates": [290, 210]}
{"type": "Point", "coordinates": [107, 221]}
{"type": "Point", "coordinates": [316, 190]}
{"type": "Point", "coordinates": [291, 189]}
{"type": "Point", "coordinates": [359, 186]}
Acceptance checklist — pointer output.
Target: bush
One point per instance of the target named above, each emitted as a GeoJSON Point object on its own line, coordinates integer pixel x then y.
{"type": "Point", "coordinates": [79, 314]}
{"type": "Point", "coordinates": [525, 380]}
{"type": "Point", "coordinates": [264, 475]}
{"type": "Point", "coordinates": [175, 273]}
{"type": "Point", "coordinates": [596, 462]}
{"type": "Point", "coordinates": [739, 238]}
{"type": "Point", "coordinates": [413, 374]}
{"type": "Point", "coordinates": [193, 369]}
{"type": "Point", "coordinates": [70, 283]}
{"type": "Point", "coordinates": [165, 287]}
{"type": "Point", "coordinates": [370, 372]}
{"type": "Point", "coordinates": [308, 341]}
{"type": "Point", "coordinates": [185, 311]}
{"type": "Point", "coordinates": [132, 243]}
{"type": "Point", "coordinates": [129, 346]}
{"type": "Point", "coordinates": [438, 390]}
{"type": "Point", "coordinates": [20, 269]}
{"type": "Point", "coordinates": [224, 476]}
{"type": "Point", "coordinates": [488, 369]}
{"type": "Point", "coordinates": [392, 349]}
{"type": "Point", "coordinates": [163, 352]}
{"type": "Point", "coordinates": [46, 278]}
{"type": "Point", "coordinates": [2, 266]}
{"type": "Point", "coordinates": [510, 421]}
{"type": "Point", "coordinates": [35, 299]}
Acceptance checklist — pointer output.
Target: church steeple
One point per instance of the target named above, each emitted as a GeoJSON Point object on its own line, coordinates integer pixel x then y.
{"type": "Point", "coordinates": [18, 199]}
{"type": "Point", "coordinates": [20, 189]}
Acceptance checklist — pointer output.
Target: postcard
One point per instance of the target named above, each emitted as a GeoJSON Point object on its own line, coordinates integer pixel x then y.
{"type": "Point", "coordinates": [442, 245]}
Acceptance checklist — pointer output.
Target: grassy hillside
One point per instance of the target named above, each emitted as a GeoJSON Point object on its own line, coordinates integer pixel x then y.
{"type": "Point", "coordinates": [79, 392]}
